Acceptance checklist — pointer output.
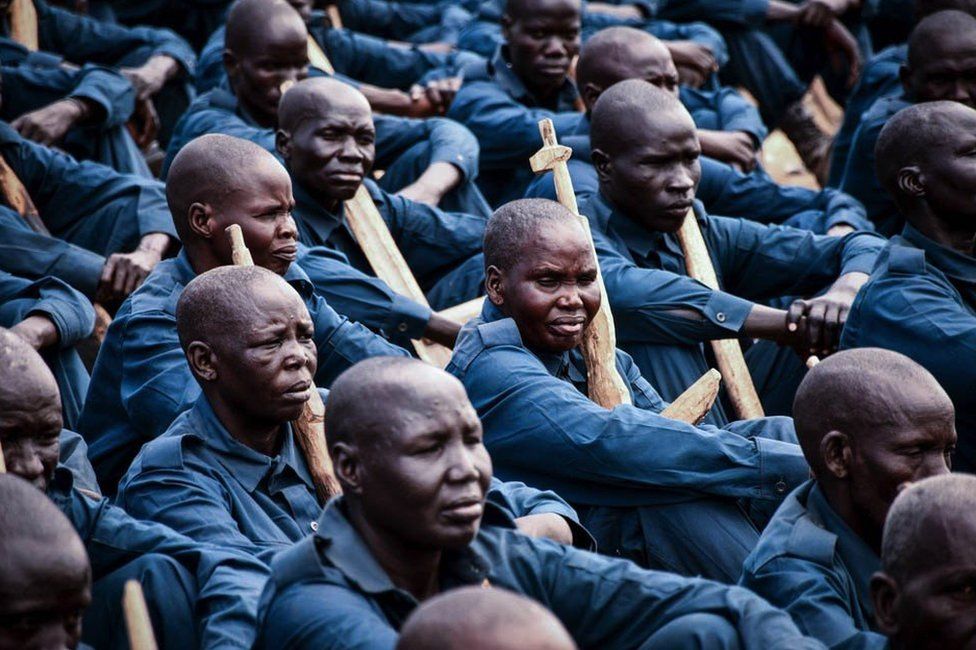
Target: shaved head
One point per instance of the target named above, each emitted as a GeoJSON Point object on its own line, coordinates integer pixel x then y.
{"type": "Point", "coordinates": [29, 522]}
{"type": "Point", "coordinates": [318, 96]}
{"type": "Point", "coordinates": [208, 170]}
{"type": "Point", "coordinates": [516, 9]}
{"type": "Point", "coordinates": [24, 377]}
{"type": "Point", "coordinates": [248, 21]}
{"type": "Point", "coordinates": [620, 53]}
{"type": "Point", "coordinates": [907, 137]}
{"type": "Point", "coordinates": [515, 224]}
{"type": "Point", "coordinates": [924, 8]}
{"type": "Point", "coordinates": [940, 35]}
{"type": "Point", "coordinates": [476, 618]}
{"type": "Point", "coordinates": [630, 110]}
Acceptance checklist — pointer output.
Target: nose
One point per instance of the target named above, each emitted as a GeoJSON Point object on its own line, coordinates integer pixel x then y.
{"type": "Point", "coordinates": [24, 461]}
{"type": "Point", "coordinates": [287, 228]}
{"type": "Point", "coordinates": [569, 297]}
{"type": "Point", "coordinates": [462, 466]}
{"type": "Point", "coordinates": [936, 466]}
{"type": "Point", "coordinates": [295, 355]}
{"type": "Point", "coordinates": [681, 181]}
{"type": "Point", "coordinates": [350, 151]}
{"type": "Point", "coordinates": [555, 47]}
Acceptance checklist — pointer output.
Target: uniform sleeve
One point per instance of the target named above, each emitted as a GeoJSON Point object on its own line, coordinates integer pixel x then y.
{"type": "Point", "coordinates": [803, 590]}
{"type": "Point", "coordinates": [374, 61]}
{"type": "Point", "coordinates": [700, 33]}
{"type": "Point", "coordinates": [507, 131]}
{"type": "Point", "coordinates": [39, 86]}
{"type": "Point", "coordinates": [395, 20]}
{"type": "Point", "coordinates": [520, 500]}
{"type": "Point", "coordinates": [70, 311]}
{"type": "Point", "coordinates": [545, 425]}
{"type": "Point", "coordinates": [450, 142]}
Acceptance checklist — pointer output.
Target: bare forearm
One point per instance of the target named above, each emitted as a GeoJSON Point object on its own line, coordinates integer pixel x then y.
{"type": "Point", "coordinates": [442, 330]}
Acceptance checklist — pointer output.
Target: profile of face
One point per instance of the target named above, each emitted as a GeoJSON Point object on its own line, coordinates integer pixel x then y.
{"type": "Point", "coordinates": [277, 53]}
{"type": "Point", "coordinates": [265, 367]}
{"type": "Point", "coordinates": [551, 292]}
{"type": "Point", "coordinates": [43, 593]}
{"type": "Point", "coordinates": [261, 205]}
{"type": "Point", "coordinates": [543, 38]}
{"type": "Point", "coordinates": [946, 70]}
{"type": "Point", "coordinates": [654, 170]}
{"type": "Point", "coordinates": [424, 480]}
{"type": "Point", "coordinates": [947, 175]}
{"type": "Point", "coordinates": [30, 429]}
{"type": "Point", "coordinates": [332, 151]}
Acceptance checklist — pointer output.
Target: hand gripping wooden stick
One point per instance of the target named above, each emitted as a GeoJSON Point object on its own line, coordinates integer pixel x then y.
{"type": "Point", "coordinates": [728, 352]}
{"type": "Point", "coordinates": [381, 251]}
{"type": "Point", "coordinates": [310, 425]}
{"type": "Point", "coordinates": [693, 405]}
{"type": "Point", "coordinates": [137, 622]}
{"type": "Point", "coordinates": [606, 386]}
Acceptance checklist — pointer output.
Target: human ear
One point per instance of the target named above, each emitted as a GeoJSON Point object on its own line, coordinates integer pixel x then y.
{"type": "Point", "coordinates": [884, 595]}
{"type": "Point", "coordinates": [835, 450]}
{"type": "Point", "coordinates": [506, 26]}
{"type": "Point", "coordinates": [590, 92]}
{"type": "Point", "coordinates": [198, 217]}
{"type": "Point", "coordinates": [905, 75]}
{"type": "Point", "coordinates": [601, 161]}
{"type": "Point", "coordinates": [911, 182]}
{"type": "Point", "coordinates": [494, 286]}
{"type": "Point", "coordinates": [202, 360]}
{"type": "Point", "coordinates": [345, 463]}
{"type": "Point", "coordinates": [231, 64]}
{"type": "Point", "coordinates": [283, 144]}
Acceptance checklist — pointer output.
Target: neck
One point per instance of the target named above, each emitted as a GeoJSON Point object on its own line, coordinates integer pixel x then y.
{"type": "Point", "coordinates": [261, 119]}
{"type": "Point", "coordinates": [201, 257]}
{"type": "Point", "coordinates": [260, 435]}
{"type": "Point", "coordinates": [413, 569]}
{"type": "Point", "coordinates": [330, 203]}
{"type": "Point", "coordinates": [949, 233]}
{"type": "Point", "coordinates": [839, 498]}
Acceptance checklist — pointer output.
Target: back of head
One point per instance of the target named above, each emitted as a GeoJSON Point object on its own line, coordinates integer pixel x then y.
{"type": "Point", "coordinates": [24, 377]}
{"type": "Point", "coordinates": [860, 392]}
{"type": "Point", "coordinates": [515, 223]}
{"type": "Point", "coordinates": [611, 53]}
{"type": "Point", "coordinates": [938, 33]}
{"type": "Point", "coordinates": [248, 18]}
{"type": "Point", "coordinates": [925, 8]}
{"type": "Point", "coordinates": [627, 106]}
{"type": "Point", "coordinates": [476, 618]}
{"type": "Point", "coordinates": [208, 169]}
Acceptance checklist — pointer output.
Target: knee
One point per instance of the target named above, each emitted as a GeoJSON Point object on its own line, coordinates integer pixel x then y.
{"type": "Point", "coordinates": [695, 632]}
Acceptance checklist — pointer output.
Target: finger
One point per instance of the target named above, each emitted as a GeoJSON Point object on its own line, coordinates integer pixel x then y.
{"type": "Point", "coordinates": [794, 314]}
{"type": "Point", "coordinates": [120, 279]}
{"type": "Point", "coordinates": [815, 325]}
{"type": "Point", "coordinates": [108, 270]}
{"type": "Point", "coordinates": [831, 328]}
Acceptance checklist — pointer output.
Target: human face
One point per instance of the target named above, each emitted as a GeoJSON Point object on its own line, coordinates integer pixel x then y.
{"type": "Point", "coordinates": [330, 153]}
{"type": "Point", "coordinates": [43, 594]}
{"type": "Point", "coordinates": [644, 60]}
{"type": "Point", "coordinates": [947, 70]}
{"type": "Point", "coordinates": [542, 41]}
{"type": "Point", "coordinates": [425, 482]}
{"type": "Point", "coordinates": [948, 172]}
{"type": "Point", "coordinates": [551, 292]}
{"type": "Point", "coordinates": [272, 355]}
{"type": "Point", "coordinates": [262, 208]}
{"type": "Point", "coordinates": [652, 175]}
{"type": "Point", "coordinates": [278, 54]}
{"type": "Point", "coordinates": [30, 430]}
{"type": "Point", "coordinates": [917, 443]}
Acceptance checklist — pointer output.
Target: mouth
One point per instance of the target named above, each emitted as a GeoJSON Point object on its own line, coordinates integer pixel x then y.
{"type": "Point", "coordinates": [567, 327]}
{"type": "Point", "coordinates": [464, 511]}
{"type": "Point", "coordinates": [286, 253]}
{"type": "Point", "coordinates": [554, 71]}
{"type": "Point", "coordinates": [679, 210]}
{"type": "Point", "coordinates": [300, 391]}
{"type": "Point", "coordinates": [346, 178]}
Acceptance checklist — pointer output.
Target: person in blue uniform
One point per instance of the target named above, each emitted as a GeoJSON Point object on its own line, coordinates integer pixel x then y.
{"type": "Point", "coordinates": [669, 505]}
{"type": "Point", "coordinates": [870, 421]}
{"type": "Point", "coordinates": [620, 53]}
{"type": "Point", "coordinates": [194, 20]}
{"type": "Point", "coordinates": [646, 155]}
{"type": "Point", "coordinates": [52, 317]}
{"type": "Point", "coordinates": [922, 593]}
{"type": "Point", "coordinates": [195, 592]}
{"type": "Point", "coordinates": [413, 522]}
{"type": "Point", "coordinates": [326, 138]}
{"type": "Point", "coordinates": [101, 231]}
{"type": "Point", "coordinates": [941, 65]}
{"type": "Point", "coordinates": [920, 299]}
{"type": "Point", "coordinates": [433, 160]}
{"type": "Point", "coordinates": [141, 380]}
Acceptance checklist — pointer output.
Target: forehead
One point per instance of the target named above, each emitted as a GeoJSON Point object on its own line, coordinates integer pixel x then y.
{"type": "Point", "coordinates": [662, 132]}
{"type": "Point", "coordinates": [560, 243]}
{"type": "Point", "coordinates": [262, 182]}
{"type": "Point", "coordinates": [343, 113]}
{"type": "Point", "coordinates": [272, 304]}
{"type": "Point", "coordinates": [433, 403]}
{"type": "Point", "coordinates": [282, 34]}
{"type": "Point", "coordinates": [541, 11]}
{"type": "Point", "coordinates": [950, 52]}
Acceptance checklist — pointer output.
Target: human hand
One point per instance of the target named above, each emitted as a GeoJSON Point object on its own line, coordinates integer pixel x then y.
{"type": "Point", "coordinates": [695, 62]}
{"type": "Point", "coordinates": [123, 273]}
{"type": "Point", "coordinates": [38, 330]}
{"type": "Point", "coordinates": [624, 12]}
{"type": "Point", "coordinates": [815, 13]}
{"type": "Point", "coordinates": [736, 148]}
{"type": "Point", "coordinates": [842, 48]}
{"type": "Point", "coordinates": [817, 323]}
{"type": "Point", "coordinates": [49, 125]}
{"type": "Point", "coordinates": [549, 525]}
{"type": "Point", "coordinates": [435, 97]}
{"type": "Point", "coordinates": [149, 78]}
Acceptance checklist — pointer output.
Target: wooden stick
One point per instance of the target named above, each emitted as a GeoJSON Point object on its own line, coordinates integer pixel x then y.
{"type": "Point", "coordinates": [3, 463]}
{"type": "Point", "coordinates": [693, 405]}
{"type": "Point", "coordinates": [334, 17]}
{"type": "Point", "coordinates": [381, 251]}
{"type": "Point", "coordinates": [102, 321]}
{"type": "Point", "coordinates": [812, 361]}
{"type": "Point", "coordinates": [728, 352]}
{"type": "Point", "coordinates": [465, 311]}
{"type": "Point", "coordinates": [606, 387]}
{"type": "Point", "coordinates": [137, 621]}
{"type": "Point", "coordinates": [23, 23]}
{"type": "Point", "coordinates": [310, 425]}
{"type": "Point", "coordinates": [318, 58]}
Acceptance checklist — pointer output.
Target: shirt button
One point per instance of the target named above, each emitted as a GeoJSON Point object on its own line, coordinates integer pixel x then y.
{"type": "Point", "coordinates": [402, 327]}
{"type": "Point", "coordinates": [780, 486]}
{"type": "Point", "coordinates": [720, 317]}
{"type": "Point", "coordinates": [314, 526]}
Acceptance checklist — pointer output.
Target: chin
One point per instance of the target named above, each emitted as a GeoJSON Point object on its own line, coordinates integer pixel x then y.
{"type": "Point", "coordinates": [457, 537]}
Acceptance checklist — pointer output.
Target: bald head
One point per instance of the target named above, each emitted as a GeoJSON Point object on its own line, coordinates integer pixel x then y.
{"type": "Point", "coordinates": [517, 9]}
{"type": "Point", "coordinates": [24, 377]}
{"type": "Point", "coordinates": [924, 8]}
{"type": "Point", "coordinates": [29, 521]}
{"type": "Point", "coordinates": [251, 22]}
{"type": "Point", "coordinates": [864, 393]}
{"type": "Point", "coordinates": [633, 111]}
{"type": "Point", "coordinates": [475, 618]}
{"type": "Point", "coordinates": [941, 34]}
{"type": "Point", "coordinates": [317, 97]}
{"type": "Point", "coordinates": [515, 224]}
{"type": "Point", "coordinates": [620, 53]}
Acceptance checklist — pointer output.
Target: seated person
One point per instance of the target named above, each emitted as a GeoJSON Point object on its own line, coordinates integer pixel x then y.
{"type": "Point", "coordinates": [868, 421]}
{"type": "Point", "coordinates": [668, 505]}
{"type": "Point", "coordinates": [52, 317]}
{"type": "Point", "coordinates": [413, 522]}
{"type": "Point", "coordinates": [646, 154]}
{"type": "Point", "coordinates": [919, 300]}
{"type": "Point", "coordinates": [100, 231]}
{"type": "Point", "coordinates": [433, 160]}
{"type": "Point", "coordinates": [194, 20]}
{"type": "Point", "coordinates": [45, 585]}
{"type": "Point", "coordinates": [326, 139]}
{"type": "Point", "coordinates": [195, 592]}
{"type": "Point", "coordinates": [923, 593]}
{"type": "Point", "coordinates": [479, 618]}
{"type": "Point", "coordinates": [621, 53]}
{"type": "Point", "coordinates": [141, 380]}
{"type": "Point", "coordinates": [941, 65]}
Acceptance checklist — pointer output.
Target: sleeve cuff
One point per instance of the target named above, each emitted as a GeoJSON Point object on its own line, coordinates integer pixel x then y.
{"type": "Point", "coordinates": [406, 318]}
{"type": "Point", "coordinates": [72, 326]}
{"type": "Point", "coordinates": [726, 311]}
{"type": "Point", "coordinates": [81, 269]}
{"type": "Point", "coordinates": [43, 60]}
{"type": "Point", "coordinates": [781, 467]}
{"type": "Point", "coordinates": [860, 263]}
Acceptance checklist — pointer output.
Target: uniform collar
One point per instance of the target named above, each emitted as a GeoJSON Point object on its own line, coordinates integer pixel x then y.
{"type": "Point", "coordinates": [639, 239]}
{"type": "Point", "coordinates": [501, 71]}
{"type": "Point", "coordinates": [954, 264]}
{"type": "Point", "coordinates": [557, 364]}
{"type": "Point", "coordinates": [246, 465]}
{"type": "Point", "coordinates": [345, 549]}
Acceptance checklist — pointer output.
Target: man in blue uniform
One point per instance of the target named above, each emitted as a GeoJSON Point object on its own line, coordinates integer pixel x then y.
{"type": "Point", "coordinates": [922, 595]}
{"type": "Point", "coordinates": [326, 138]}
{"type": "Point", "coordinates": [413, 522]}
{"type": "Point", "coordinates": [670, 504]}
{"type": "Point", "coordinates": [141, 379]}
{"type": "Point", "coordinates": [941, 65]}
{"type": "Point", "coordinates": [646, 153]}
{"type": "Point", "coordinates": [920, 299]}
{"type": "Point", "coordinates": [621, 53]}
{"type": "Point", "coordinates": [102, 232]}
{"type": "Point", "coordinates": [196, 593]}
{"type": "Point", "coordinates": [869, 421]}
{"type": "Point", "coordinates": [433, 160]}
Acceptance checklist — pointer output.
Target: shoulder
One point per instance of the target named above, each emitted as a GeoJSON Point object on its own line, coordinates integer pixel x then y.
{"type": "Point", "coordinates": [174, 450]}
{"type": "Point", "coordinates": [792, 537]}
{"type": "Point", "coordinates": [478, 336]}
{"type": "Point", "coordinates": [905, 260]}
